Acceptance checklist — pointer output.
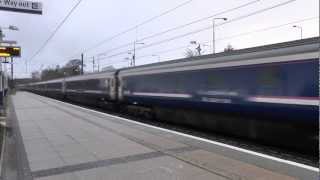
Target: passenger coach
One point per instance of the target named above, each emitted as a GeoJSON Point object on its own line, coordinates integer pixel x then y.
{"type": "Point", "coordinates": [271, 90]}
{"type": "Point", "coordinates": [92, 88]}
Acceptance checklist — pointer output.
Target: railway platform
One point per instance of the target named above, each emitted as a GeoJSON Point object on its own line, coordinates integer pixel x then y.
{"type": "Point", "coordinates": [54, 140]}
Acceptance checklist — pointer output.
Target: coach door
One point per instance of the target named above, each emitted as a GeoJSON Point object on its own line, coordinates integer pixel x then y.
{"type": "Point", "coordinates": [112, 88]}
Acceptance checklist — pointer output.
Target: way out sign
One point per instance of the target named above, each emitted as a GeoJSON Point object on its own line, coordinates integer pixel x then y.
{"type": "Point", "coordinates": [21, 6]}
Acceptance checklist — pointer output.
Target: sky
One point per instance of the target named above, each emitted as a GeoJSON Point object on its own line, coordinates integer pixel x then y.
{"type": "Point", "coordinates": [94, 21]}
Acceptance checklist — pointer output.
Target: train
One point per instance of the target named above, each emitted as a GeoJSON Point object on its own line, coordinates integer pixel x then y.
{"type": "Point", "coordinates": [268, 93]}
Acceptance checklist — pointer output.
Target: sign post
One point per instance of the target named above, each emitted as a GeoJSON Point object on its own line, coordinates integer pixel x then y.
{"type": "Point", "coordinates": [10, 51]}
{"type": "Point", "coordinates": [21, 6]}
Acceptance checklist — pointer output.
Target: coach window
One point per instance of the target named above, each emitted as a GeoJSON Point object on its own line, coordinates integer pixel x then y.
{"type": "Point", "coordinates": [93, 84]}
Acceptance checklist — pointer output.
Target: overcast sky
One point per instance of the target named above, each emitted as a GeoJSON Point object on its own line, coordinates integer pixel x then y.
{"type": "Point", "coordinates": [96, 20]}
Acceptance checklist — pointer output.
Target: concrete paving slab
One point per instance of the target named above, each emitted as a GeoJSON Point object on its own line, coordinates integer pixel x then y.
{"type": "Point", "coordinates": [118, 150]}
{"type": "Point", "coordinates": [230, 167]}
{"type": "Point", "coordinates": [79, 158]}
{"type": "Point", "coordinates": [68, 176]}
{"type": "Point", "coordinates": [163, 143]}
{"type": "Point", "coordinates": [70, 149]}
{"type": "Point", "coordinates": [42, 156]}
{"type": "Point", "coordinates": [156, 169]}
{"type": "Point", "coordinates": [46, 163]}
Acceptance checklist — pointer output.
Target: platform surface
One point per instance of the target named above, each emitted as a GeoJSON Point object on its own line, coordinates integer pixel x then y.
{"type": "Point", "coordinates": [66, 142]}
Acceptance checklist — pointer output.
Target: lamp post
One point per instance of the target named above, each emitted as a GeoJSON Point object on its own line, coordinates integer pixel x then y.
{"type": "Point", "coordinates": [131, 60]}
{"type": "Point", "coordinates": [93, 64]}
{"type": "Point", "coordinates": [299, 27]}
{"type": "Point", "coordinates": [134, 52]}
{"type": "Point", "coordinates": [99, 58]}
{"type": "Point", "coordinates": [82, 64]}
{"type": "Point", "coordinates": [98, 61]}
{"type": "Point", "coordinates": [213, 33]}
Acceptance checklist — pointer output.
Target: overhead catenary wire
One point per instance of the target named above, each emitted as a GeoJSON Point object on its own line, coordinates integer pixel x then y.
{"type": "Point", "coordinates": [135, 26]}
{"type": "Point", "coordinates": [207, 28]}
{"type": "Point", "coordinates": [235, 35]}
{"type": "Point", "coordinates": [165, 51]}
{"type": "Point", "coordinates": [172, 29]}
{"type": "Point", "coordinates": [220, 39]}
{"type": "Point", "coordinates": [55, 31]}
{"type": "Point", "coordinates": [116, 62]}
{"type": "Point", "coordinates": [267, 28]}
{"type": "Point", "coordinates": [184, 25]}
{"type": "Point", "coordinates": [181, 26]}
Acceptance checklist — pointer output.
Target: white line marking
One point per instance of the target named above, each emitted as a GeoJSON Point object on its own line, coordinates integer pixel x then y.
{"type": "Point", "coordinates": [199, 139]}
{"type": "Point", "coordinates": [95, 91]}
{"type": "Point", "coordinates": [162, 94]}
{"type": "Point", "coordinates": [313, 102]}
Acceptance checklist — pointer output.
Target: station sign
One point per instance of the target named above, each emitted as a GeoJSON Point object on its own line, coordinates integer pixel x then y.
{"type": "Point", "coordinates": [10, 51]}
{"type": "Point", "coordinates": [21, 6]}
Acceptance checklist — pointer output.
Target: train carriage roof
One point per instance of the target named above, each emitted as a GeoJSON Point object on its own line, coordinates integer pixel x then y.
{"type": "Point", "coordinates": [100, 75]}
{"type": "Point", "coordinates": [47, 82]}
{"type": "Point", "coordinates": [273, 50]}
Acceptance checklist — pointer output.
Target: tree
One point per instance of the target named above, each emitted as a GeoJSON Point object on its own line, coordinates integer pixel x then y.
{"type": "Point", "coordinates": [189, 53]}
{"type": "Point", "coordinates": [229, 48]}
{"type": "Point", "coordinates": [51, 73]}
{"type": "Point", "coordinates": [72, 68]}
{"type": "Point", "coordinates": [73, 63]}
